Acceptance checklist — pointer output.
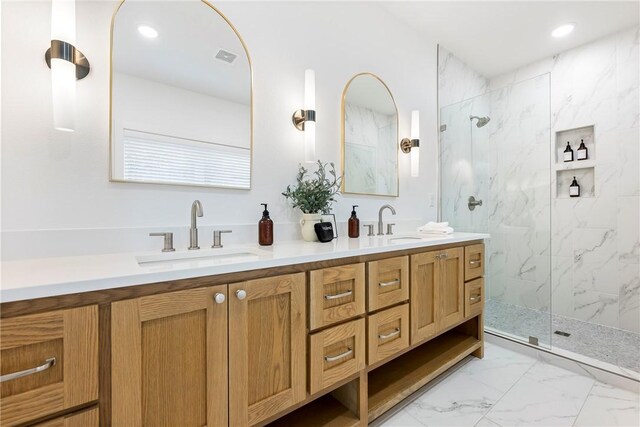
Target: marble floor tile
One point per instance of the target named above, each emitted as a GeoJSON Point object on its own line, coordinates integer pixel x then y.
{"type": "Point", "coordinates": [534, 403]}
{"type": "Point", "coordinates": [508, 388]}
{"type": "Point", "coordinates": [500, 370]}
{"type": "Point", "coordinates": [486, 422]}
{"type": "Point", "coordinates": [457, 401]}
{"type": "Point", "coordinates": [610, 406]}
{"type": "Point", "coordinates": [402, 419]}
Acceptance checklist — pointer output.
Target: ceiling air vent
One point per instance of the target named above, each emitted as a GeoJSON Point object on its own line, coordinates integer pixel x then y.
{"type": "Point", "coordinates": [225, 56]}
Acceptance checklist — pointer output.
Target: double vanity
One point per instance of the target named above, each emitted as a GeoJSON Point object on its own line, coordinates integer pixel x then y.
{"type": "Point", "coordinates": [294, 334]}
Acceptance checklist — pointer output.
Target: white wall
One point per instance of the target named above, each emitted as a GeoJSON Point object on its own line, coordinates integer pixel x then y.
{"type": "Point", "coordinates": [56, 198]}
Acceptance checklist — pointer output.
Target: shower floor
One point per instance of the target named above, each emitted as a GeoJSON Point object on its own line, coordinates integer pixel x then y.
{"type": "Point", "coordinates": [602, 343]}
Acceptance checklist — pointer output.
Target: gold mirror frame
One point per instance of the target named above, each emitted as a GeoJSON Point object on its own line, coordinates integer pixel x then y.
{"type": "Point", "coordinates": [246, 51]}
{"type": "Point", "coordinates": [343, 142]}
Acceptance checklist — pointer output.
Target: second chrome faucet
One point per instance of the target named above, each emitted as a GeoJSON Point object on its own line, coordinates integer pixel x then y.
{"type": "Point", "coordinates": [196, 211]}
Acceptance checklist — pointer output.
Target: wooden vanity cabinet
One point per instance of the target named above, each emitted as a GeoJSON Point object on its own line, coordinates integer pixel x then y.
{"type": "Point", "coordinates": [169, 359]}
{"type": "Point", "coordinates": [267, 347]}
{"type": "Point", "coordinates": [252, 352]}
{"type": "Point", "coordinates": [49, 363]}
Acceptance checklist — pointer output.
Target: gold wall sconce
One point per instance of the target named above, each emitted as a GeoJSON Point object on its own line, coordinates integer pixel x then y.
{"type": "Point", "coordinates": [412, 145]}
{"type": "Point", "coordinates": [67, 63]}
{"type": "Point", "coordinates": [305, 120]}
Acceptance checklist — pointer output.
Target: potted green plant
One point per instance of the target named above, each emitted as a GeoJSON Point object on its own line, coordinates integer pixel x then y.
{"type": "Point", "coordinates": [313, 195]}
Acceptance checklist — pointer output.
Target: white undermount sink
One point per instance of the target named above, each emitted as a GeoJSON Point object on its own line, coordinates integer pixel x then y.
{"type": "Point", "coordinates": [414, 238]}
{"type": "Point", "coordinates": [222, 256]}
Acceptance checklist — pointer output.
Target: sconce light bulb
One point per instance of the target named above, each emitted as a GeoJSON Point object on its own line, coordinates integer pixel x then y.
{"type": "Point", "coordinates": [310, 142]}
{"type": "Point", "coordinates": [63, 73]}
{"type": "Point", "coordinates": [415, 162]}
{"type": "Point", "coordinates": [309, 90]}
{"type": "Point", "coordinates": [415, 124]}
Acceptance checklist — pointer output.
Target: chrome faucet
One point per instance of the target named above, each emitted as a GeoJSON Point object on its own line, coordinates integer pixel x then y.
{"type": "Point", "coordinates": [380, 224]}
{"type": "Point", "coordinates": [196, 211]}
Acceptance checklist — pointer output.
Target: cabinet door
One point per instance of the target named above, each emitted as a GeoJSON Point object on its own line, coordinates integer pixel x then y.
{"type": "Point", "coordinates": [267, 347]}
{"type": "Point", "coordinates": [424, 285]}
{"type": "Point", "coordinates": [49, 363]}
{"type": "Point", "coordinates": [169, 359]}
{"type": "Point", "coordinates": [450, 295]}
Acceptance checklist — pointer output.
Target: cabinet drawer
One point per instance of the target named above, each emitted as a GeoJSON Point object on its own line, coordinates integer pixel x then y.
{"type": "Point", "coordinates": [473, 297]}
{"type": "Point", "coordinates": [335, 354]}
{"type": "Point", "coordinates": [336, 294]}
{"type": "Point", "coordinates": [473, 262]}
{"type": "Point", "coordinates": [388, 333]}
{"type": "Point", "coordinates": [49, 363]}
{"type": "Point", "coordinates": [88, 418]}
{"type": "Point", "coordinates": [388, 282]}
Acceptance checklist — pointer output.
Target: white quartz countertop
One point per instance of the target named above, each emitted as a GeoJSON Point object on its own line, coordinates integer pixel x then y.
{"type": "Point", "coordinates": [46, 277]}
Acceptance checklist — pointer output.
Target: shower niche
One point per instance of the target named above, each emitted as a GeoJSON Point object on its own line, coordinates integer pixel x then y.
{"type": "Point", "coordinates": [582, 170]}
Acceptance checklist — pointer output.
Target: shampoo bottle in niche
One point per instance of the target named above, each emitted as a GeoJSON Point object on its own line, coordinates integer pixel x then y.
{"type": "Point", "coordinates": [574, 188]}
{"type": "Point", "coordinates": [265, 228]}
{"type": "Point", "coordinates": [568, 153]}
{"type": "Point", "coordinates": [354, 223]}
{"type": "Point", "coordinates": [582, 152]}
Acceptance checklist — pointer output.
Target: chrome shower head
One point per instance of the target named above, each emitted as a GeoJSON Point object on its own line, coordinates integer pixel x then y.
{"type": "Point", "coordinates": [481, 120]}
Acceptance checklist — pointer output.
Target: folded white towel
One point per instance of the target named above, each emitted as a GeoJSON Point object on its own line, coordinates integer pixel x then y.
{"type": "Point", "coordinates": [438, 228]}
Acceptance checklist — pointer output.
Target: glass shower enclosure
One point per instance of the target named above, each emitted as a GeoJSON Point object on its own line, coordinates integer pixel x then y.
{"type": "Point", "coordinates": [495, 151]}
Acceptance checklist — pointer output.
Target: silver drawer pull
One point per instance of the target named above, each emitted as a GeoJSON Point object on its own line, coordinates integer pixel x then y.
{"type": "Point", "coordinates": [391, 283]}
{"type": "Point", "coordinates": [15, 375]}
{"type": "Point", "coordinates": [338, 356]}
{"type": "Point", "coordinates": [342, 295]}
{"type": "Point", "coordinates": [476, 298]}
{"type": "Point", "coordinates": [395, 332]}
{"type": "Point", "coordinates": [474, 262]}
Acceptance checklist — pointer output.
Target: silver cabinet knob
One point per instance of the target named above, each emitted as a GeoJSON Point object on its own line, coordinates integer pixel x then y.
{"type": "Point", "coordinates": [241, 294]}
{"type": "Point", "coordinates": [219, 298]}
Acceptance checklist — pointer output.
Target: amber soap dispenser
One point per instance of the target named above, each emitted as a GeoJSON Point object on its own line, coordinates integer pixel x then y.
{"type": "Point", "coordinates": [265, 228]}
{"type": "Point", "coordinates": [354, 223]}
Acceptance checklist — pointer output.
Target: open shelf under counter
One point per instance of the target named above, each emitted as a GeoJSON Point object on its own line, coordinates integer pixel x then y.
{"type": "Point", "coordinates": [325, 411]}
{"type": "Point", "coordinates": [392, 382]}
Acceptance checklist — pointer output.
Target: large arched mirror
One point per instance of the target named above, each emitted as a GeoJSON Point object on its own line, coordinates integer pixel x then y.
{"type": "Point", "coordinates": [369, 137]}
{"type": "Point", "coordinates": [181, 96]}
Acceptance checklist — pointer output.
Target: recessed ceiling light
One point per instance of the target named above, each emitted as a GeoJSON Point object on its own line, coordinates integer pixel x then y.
{"type": "Point", "coordinates": [147, 31]}
{"type": "Point", "coordinates": [562, 30]}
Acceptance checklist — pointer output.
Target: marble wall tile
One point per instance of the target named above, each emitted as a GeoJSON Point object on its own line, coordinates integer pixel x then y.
{"type": "Point", "coordinates": [596, 307]}
{"type": "Point", "coordinates": [628, 222]}
{"type": "Point", "coordinates": [629, 297]}
{"type": "Point", "coordinates": [562, 285]}
{"type": "Point", "coordinates": [457, 81]}
{"type": "Point", "coordinates": [595, 260]}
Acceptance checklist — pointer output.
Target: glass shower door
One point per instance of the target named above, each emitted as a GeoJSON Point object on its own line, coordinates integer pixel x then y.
{"type": "Point", "coordinates": [495, 148]}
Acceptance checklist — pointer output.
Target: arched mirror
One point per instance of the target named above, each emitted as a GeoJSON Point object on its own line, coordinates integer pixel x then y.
{"type": "Point", "coordinates": [369, 137]}
{"type": "Point", "coordinates": [181, 96]}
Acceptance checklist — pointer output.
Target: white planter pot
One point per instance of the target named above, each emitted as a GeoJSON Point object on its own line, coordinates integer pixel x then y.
{"type": "Point", "coordinates": [306, 226]}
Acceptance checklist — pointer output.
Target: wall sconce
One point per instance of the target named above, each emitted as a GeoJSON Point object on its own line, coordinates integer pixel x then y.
{"type": "Point", "coordinates": [67, 63]}
{"type": "Point", "coordinates": [305, 119]}
{"type": "Point", "coordinates": [413, 145]}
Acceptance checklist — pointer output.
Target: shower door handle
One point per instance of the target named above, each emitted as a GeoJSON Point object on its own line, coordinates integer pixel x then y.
{"type": "Point", "coordinates": [472, 203]}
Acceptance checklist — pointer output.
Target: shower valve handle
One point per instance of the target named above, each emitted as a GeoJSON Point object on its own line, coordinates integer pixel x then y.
{"type": "Point", "coordinates": [473, 203]}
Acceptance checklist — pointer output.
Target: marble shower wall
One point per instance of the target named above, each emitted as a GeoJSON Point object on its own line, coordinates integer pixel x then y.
{"type": "Point", "coordinates": [594, 257]}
